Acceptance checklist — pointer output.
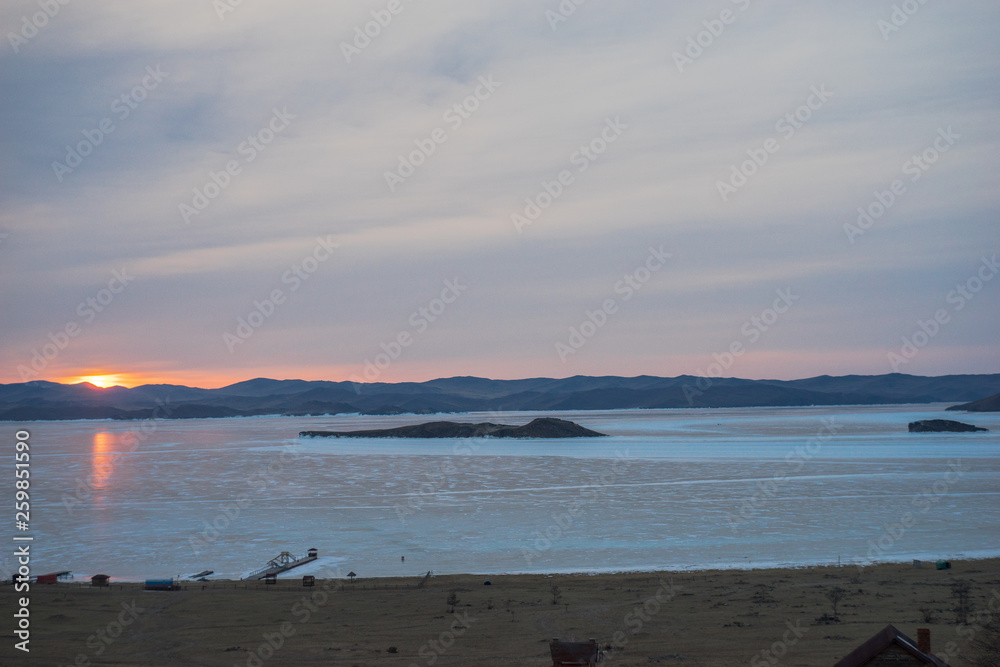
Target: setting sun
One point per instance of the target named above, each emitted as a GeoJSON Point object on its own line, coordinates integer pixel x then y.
{"type": "Point", "coordinates": [102, 381]}
{"type": "Point", "coordinates": [135, 379]}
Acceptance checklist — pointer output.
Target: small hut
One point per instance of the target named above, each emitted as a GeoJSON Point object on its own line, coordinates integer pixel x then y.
{"type": "Point", "coordinates": [308, 580]}
{"type": "Point", "coordinates": [100, 580]}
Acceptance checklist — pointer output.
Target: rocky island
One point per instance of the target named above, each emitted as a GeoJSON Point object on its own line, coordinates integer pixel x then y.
{"type": "Point", "coordinates": [942, 426]}
{"type": "Point", "coordinates": [543, 427]}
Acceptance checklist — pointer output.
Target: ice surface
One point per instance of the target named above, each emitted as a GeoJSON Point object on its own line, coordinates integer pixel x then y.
{"type": "Point", "coordinates": [669, 489]}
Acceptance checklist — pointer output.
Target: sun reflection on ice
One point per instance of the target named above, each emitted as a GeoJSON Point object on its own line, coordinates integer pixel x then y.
{"type": "Point", "coordinates": [101, 465]}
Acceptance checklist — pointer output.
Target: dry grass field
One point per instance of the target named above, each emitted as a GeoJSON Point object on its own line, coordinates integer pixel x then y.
{"type": "Point", "coordinates": [757, 617]}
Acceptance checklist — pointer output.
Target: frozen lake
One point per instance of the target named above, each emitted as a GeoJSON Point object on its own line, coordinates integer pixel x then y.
{"type": "Point", "coordinates": [671, 489]}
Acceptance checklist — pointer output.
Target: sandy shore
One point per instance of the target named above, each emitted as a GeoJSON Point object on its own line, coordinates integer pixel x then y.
{"type": "Point", "coordinates": [704, 618]}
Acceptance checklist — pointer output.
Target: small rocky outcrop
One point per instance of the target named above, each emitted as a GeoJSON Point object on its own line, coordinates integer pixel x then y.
{"type": "Point", "coordinates": [942, 426]}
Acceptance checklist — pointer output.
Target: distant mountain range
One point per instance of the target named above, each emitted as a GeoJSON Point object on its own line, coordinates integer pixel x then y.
{"type": "Point", "coordinates": [40, 400]}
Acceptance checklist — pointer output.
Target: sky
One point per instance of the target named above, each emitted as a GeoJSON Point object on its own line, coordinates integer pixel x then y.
{"type": "Point", "coordinates": [205, 191]}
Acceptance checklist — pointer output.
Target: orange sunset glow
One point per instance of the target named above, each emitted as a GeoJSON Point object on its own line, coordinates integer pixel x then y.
{"type": "Point", "coordinates": [104, 381]}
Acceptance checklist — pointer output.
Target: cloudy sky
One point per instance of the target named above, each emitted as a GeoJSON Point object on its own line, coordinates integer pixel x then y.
{"type": "Point", "coordinates": [201, 192]}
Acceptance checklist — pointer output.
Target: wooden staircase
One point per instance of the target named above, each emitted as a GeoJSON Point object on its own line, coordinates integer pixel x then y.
{"type": "Point", "coordinates": [281, 563]}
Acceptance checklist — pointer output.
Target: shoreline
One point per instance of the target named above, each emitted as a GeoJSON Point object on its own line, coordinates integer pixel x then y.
{"type": "Point", "coordinates": [927, 562]}
{"type": "Point", "coordinates": [491, 412]}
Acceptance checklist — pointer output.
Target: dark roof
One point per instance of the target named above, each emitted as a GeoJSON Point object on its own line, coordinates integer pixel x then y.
{"type": "Point", "coordinates": [889, 636]}
{"type": "Point", "coordinates": [574, 653]}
